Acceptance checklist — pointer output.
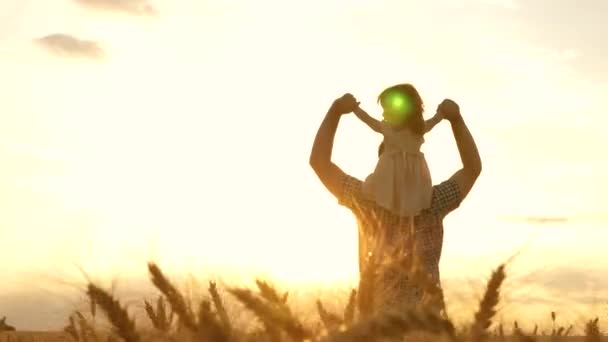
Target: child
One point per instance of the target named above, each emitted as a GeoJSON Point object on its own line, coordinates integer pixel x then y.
{"type": "Point", "coordinates": [401, 181]}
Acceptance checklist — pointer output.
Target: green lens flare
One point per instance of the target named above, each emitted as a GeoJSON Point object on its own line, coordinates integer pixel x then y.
{"type": "Point", "coordinates": [397, 102]}
{"type": "Point", "coordinates": [398, 107]}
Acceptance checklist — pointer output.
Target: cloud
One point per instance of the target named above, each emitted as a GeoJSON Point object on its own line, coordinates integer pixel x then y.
{"type": "Point", "coordinates": [568, 285]}
{"type": "Point", "coordinates": [567, 279]}
{"type": "Point", "coordinates": [540, 219]}
{"type": "Point", "coordinates": [67, 45]}
{"type": "Point", "coordinates": [532, 295]}
{"type": "Point", "coordinates": [136, 7]}
{"type": "Point", "coordinates": [506, 4]}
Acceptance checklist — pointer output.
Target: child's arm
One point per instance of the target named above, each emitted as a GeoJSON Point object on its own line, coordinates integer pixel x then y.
{"type": "Point", "coordinates": [368, 120]}
{"type": "Point", "coordinates": [432, 122]}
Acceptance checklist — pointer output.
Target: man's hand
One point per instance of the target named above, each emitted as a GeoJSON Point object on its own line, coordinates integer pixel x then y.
{"type": "Point", "coordinates": [449, 110]}
{"type": "Point", "coordinates": [345, 104]}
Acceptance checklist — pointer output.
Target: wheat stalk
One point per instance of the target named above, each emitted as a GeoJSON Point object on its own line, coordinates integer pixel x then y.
{"type": "Point", "coordinates": [487, 306]}
{"type": "Point", "coordinates": [393, 325]}
{"type": "Point", "coordinates": [349, 311]}
{"type": "Point", "coordinates": [209, 328]}
{"type": "Point", "coordinates": [159, 317]}
{"type": "Point", "coordinates": [285, 297]}
{"type": "Point", "coordinates": [152, 315]}
{"type": "Point", "coordinates": [87, 331]}
{"type": "Point", "coordinates": [367, 283]}
{"type": "Point", "coordinates": [71, 329]}
{"type": "Point", "coordinates": [118, 316]}
{"type": "Point", "coordinates": [93, 308]}
{"type": "Point", "coordinates": [268, 292]}
{"type": "Point", "coordinates": [219, 305]}
{"type": "Point", "coordinates": [175, 298]}
{"type": "Point", "coordinates": [330, 320]}
{"type": "Point", "coordinates": [271, 314]}
{"type": "Point", "coordinates": [592, 331]}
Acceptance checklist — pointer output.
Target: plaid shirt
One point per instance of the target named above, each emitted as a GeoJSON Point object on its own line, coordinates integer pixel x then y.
{"type": "Point", "coordinates": [382, 232]}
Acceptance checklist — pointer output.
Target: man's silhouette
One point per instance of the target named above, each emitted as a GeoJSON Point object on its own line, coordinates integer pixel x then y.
{"type": "Point", "coordinates": [383, 234]}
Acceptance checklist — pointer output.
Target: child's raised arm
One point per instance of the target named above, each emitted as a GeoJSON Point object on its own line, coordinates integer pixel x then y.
{"type": "Point", "coordinates": [374, 124]}
{"type": "Point", "coordinates": [432, 122]}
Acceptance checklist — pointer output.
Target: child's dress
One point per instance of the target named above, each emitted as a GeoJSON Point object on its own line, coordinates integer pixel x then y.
{"type": "Point", "coordinates": [401, 181]}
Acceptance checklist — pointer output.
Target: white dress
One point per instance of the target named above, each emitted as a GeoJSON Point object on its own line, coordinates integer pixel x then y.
{"type": "Point", "coordinates": [401, 182]}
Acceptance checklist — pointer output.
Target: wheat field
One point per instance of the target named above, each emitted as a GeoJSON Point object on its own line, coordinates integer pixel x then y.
{"type": "Point", "coordinates": [172, 317]}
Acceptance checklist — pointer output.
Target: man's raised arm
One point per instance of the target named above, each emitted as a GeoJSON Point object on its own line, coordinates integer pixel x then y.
{"type": "Point", "coordinates": [320, 157]}
{"type": "Point", "coordinates": [471, 162]}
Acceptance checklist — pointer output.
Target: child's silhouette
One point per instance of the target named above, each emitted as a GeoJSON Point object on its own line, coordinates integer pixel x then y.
{"type": "Point", "coordinates": [401, 181]}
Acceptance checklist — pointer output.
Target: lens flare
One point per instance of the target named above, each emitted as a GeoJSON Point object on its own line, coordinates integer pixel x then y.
{"type": "Point", "coordinates": [397, 107]}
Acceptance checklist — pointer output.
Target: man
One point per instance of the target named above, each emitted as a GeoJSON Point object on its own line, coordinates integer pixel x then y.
{"type": "Point", "coordinates": [381, 232]}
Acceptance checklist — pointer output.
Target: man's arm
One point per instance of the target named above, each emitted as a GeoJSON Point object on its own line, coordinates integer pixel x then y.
{"type": "Point", "coordinates": [320, 157]}
{"type": "Point", "coordinates": [471, 162]}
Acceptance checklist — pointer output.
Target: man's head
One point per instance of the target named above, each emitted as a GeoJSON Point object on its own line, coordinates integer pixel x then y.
{"type": "Point", "coordinates": [403, 106]}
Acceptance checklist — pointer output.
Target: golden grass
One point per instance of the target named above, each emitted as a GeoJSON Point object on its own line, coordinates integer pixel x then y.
{"type": "Point", "coordinates": [219, 306]}
{"type": "Point", "coordinates": [360, 319]}
{"type": "Point", "coordinates": [117, 315]}
{"type": "Point", "coordinates": [34, 336]}
{"type": "Point", "coordinates": [209, 326]}
{"type": "Point", "coordinates": [349, 311]}
{"type": "Point", "coordinates": [330, 320]}
{"type": "Point", "coordinates": [174, 297]}
{"type": "Point", "coordinates": [592, 331]}
{"type": "Point", "coordinates": [272, 314]}
{"type": "Point", "coordinates": [393, 325]}
{"type": "Point", "coordinates": [487, 307]}
{"type": "Point", "coordinates": [159, 317]}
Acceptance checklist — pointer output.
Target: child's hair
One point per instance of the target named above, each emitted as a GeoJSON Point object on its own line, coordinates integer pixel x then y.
{"type": "Point", "coordinates": [414, 119]}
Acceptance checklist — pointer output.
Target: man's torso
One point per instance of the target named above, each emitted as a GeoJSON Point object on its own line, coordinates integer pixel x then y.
{"type": "Point", "coordinates": [386, 238]}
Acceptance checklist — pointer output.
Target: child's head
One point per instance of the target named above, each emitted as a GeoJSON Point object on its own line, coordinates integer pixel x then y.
{"type": "Point", "coordinates": [403, 107]}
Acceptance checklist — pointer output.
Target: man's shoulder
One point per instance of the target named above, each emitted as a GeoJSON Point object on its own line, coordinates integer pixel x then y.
{"type": "Point", "coordinates": [447, 196]}
{"type": "Point", "coordinates": [446, 186]}
{"type": "Point", "coordinates": [350, 191]}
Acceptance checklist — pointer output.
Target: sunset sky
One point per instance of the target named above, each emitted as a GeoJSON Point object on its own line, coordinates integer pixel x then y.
{"type": "Point", "coordinates": [179, 131]}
